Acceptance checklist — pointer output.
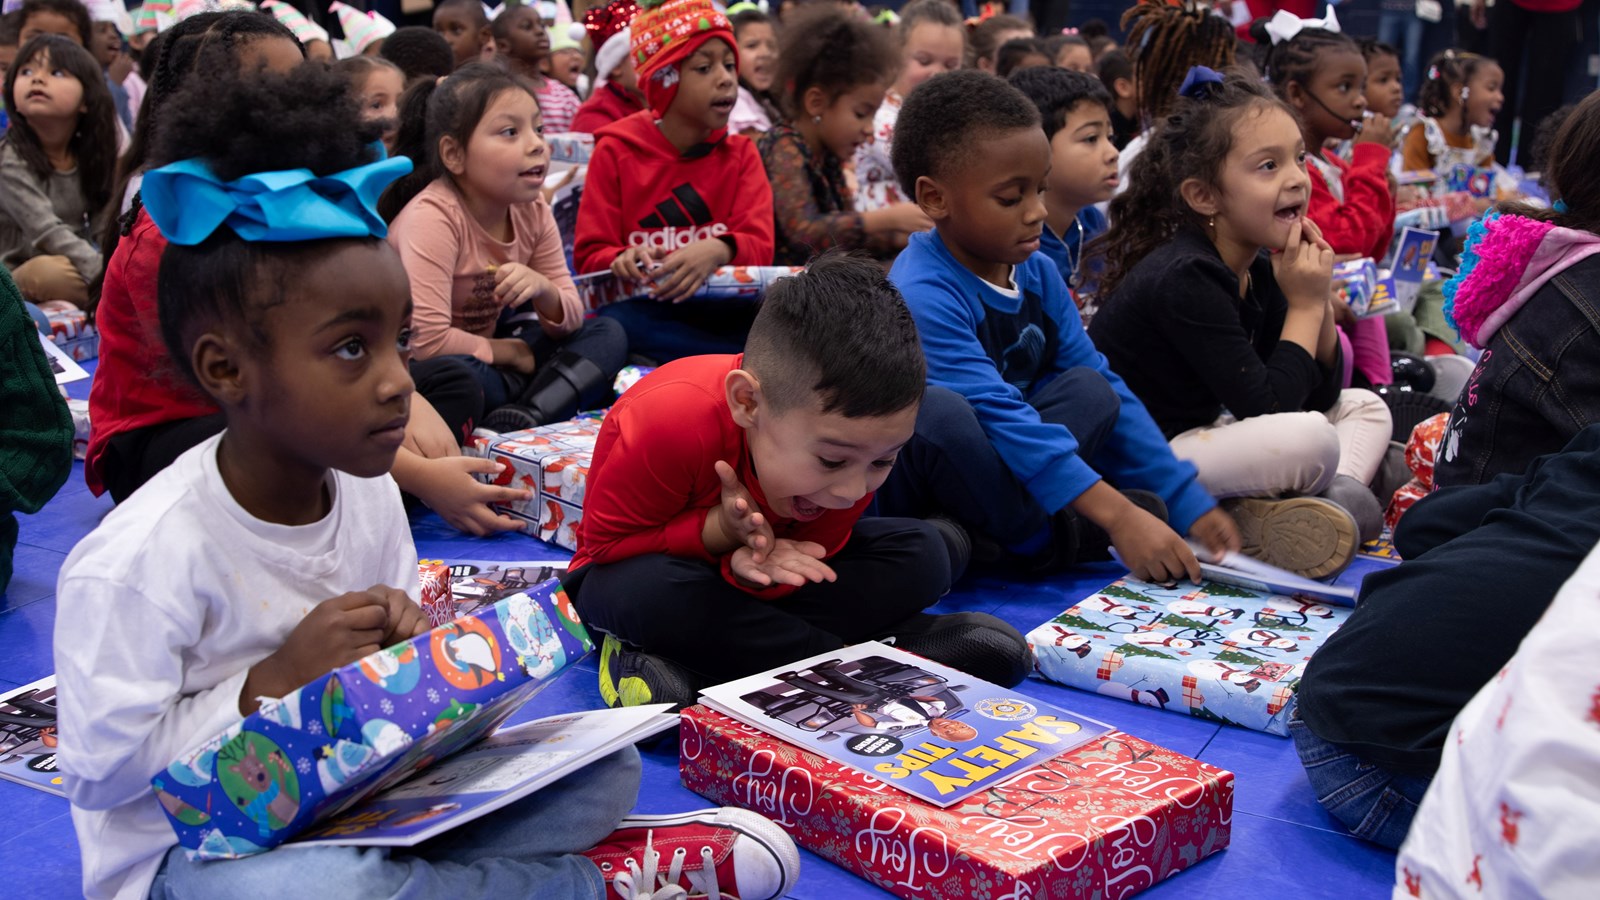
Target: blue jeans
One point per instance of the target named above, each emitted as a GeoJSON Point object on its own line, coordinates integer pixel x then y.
{"type": "Point", "coordinates": [599, 341]}
{"type": "Point", "coordinates": [527, 849]}
{"type": "Point", "coordinates": [1403, 31]}
{"type": "Point", "coordinates": [1375, 804]}
{"type": "Point", "coordinates": [951, 467]}
{"type": "Point", "coordinates": [663, 332]}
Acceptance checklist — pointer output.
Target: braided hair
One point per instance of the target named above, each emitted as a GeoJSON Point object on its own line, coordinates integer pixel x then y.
{"type": "Point", "coordinates": [1295, 61]}
{"type": "Point", "coordinates": [1165, 40]}
{"type": "Point", "coordinates": [1192, 141]}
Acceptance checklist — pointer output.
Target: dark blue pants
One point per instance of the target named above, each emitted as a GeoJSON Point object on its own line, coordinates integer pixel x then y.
{"type": "Point", "coordinates": [663, 332]}
{"type": "Point", "coordinates": [950, 467]}
{"type": "Point", "coordinates": [601, 341]}
{"type": "Point", "coordinates": [1376, 804]}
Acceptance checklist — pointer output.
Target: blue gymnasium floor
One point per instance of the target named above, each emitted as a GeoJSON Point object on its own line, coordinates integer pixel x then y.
{"type": "Point", "coordinates": [1283, 845]}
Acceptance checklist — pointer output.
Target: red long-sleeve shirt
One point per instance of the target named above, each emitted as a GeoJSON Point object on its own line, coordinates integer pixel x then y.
{"type": "Point", "coordinates": [1364, 222]}
{"type": "Point", "coordinates": [641, 191]}
{"type": "Point", "coordinates": [653, 479]}
{"type": "Point", "coordinates": [609, 103]}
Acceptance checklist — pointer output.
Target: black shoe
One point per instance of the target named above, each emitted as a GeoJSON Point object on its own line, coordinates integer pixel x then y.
{"type": "Point", "coordinates": [1408, 409]}
{"type": "Point", "coordinates": [512, 417]}
{"type": "Point", "coordinates": [631, 677]}
{"type": "Point", "coordinates": [975, 643]}
{"type": "Point", "coordinates": [560, 384]}
{"type": "Point", "coordinates": [957, 542]}
{"type": "Point", "coordinates": [1078, 540]}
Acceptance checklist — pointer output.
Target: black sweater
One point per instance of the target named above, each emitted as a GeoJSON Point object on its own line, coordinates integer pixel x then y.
{"type": "Point", "coordinates": [1178, 334]}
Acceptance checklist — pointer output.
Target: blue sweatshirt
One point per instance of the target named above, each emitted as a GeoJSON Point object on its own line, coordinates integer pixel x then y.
{"type": "Point", "coordinates": [996, 348]}
{"type": "Point", "coordinates": [1066, 251]}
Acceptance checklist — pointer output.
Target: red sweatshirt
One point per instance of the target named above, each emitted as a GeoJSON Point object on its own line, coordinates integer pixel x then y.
{"type": "Point", "coordinates": [607, 104]}
{"type": "Point", "coordinates": [641, 191]}
{"type": "Point", "coordinates": [653, 478]}
{"type": "Point", "coordinates": [1364, 222]}
{"type": "Point", "coordinates": [136, 384]}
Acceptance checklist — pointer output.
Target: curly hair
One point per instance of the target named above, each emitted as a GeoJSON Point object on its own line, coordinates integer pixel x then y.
{"type": "Point", "coordinates": [432, 110]}
{"type": "Point", "coordinates": [1056, 92]}
{"type": "Point", "coordinates": [1013, 52]}
{"type": "Point", "coordinates": [1295, 61]}
{"type": "Point", "coordinates": [1372, 48]}
{"type": "Point", "coordinates": [419, 52]}
{"type": "Point", "coordinates": [1165, 40]}
{"type": "Point", "coordinates": [71, 10]}
{"type": "Point", "coordinates": [1446, 74]}
{"type": "Point", "coordinates": [946, 116]}
{"type": "Point", "coordinates": [1572, 169]}
{"type": "Point", "coordinates": [834, 51]}
{"type": "Point", "coordinates": [241, 124]}
{"type": "Point", "coordinates": [94, 141]}
{"type": "Point", "coordinates": [983, 39]}
{"type": "Point", "coordinates": [1192, 141]}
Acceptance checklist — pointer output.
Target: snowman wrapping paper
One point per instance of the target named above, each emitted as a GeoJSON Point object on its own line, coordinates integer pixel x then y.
{"type": "Point", "coordinates": [366, 726]}
{"type": "Point", "coordinates": [1215, 651]}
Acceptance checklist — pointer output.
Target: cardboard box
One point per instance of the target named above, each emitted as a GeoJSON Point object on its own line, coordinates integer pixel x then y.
{"type": "Point", "coordinates": [1104, 821]}
{"type": "Point", "coordinates": [366, 726]}
{"type": "Point", "coordinates": [1216, 651]}
{"type": "Point", "coordinates": [553, 462]}
{"type": "Point", "coordinates": [1355, 282]}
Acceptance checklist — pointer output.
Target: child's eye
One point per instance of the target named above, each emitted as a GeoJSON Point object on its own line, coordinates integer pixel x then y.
{"type": "Point", "coordinates": [831, 464]}
{"type": "Point", "coordinates": [1009, 201]}
{"type": "Point", "coordinates": [883, 463]}
{"type": "Point", "coordinates": [351, 350]}
{"type": "Point", "coordinates": [404, 343]}
{"type": "Point", "coordinates": [509, 132]}
{"type": "Point", "coordinates": [1268, 166]}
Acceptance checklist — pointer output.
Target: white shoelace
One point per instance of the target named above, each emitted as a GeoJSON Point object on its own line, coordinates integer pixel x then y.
{"type": "Point", "coordinates": [648, 883]}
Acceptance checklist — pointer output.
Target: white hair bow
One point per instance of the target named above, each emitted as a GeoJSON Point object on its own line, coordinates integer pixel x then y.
{"type": "Point", "coordinates": [1284, 25]}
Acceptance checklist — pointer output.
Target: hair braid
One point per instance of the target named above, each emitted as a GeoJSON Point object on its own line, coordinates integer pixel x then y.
{"type": "Point", "coordinates": [1165, 40]}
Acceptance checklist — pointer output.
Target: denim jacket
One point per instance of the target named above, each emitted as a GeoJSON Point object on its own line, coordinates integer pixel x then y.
{"type": "Point", "coordinates": [1536, 385]}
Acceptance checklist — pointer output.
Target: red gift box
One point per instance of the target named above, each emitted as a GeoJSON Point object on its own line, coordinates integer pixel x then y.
{"type": "Point", "coordinates": [433, 578]}
{"type": "Point", "coordinates": [1104, 821]}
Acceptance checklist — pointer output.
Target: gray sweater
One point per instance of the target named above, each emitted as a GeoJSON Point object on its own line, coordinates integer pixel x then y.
{"type": "Point", "coordinates": [48, 219]}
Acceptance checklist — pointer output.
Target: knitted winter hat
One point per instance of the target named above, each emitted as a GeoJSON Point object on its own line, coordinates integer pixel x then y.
{"type": "Point", "coordinates": [665, 33]}
{"type": "Point", "coordinates": [609, 33]}
{"type": "Point", "coordinates": [361, 29]}
{"type": "Point", "coordinates": [304, 29]}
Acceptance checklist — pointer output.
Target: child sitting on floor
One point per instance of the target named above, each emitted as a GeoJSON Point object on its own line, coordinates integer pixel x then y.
{"type": "Point", "coordinates": [465, 25]}
{"type": "Point", "coordinates": [616, 93]}
{"type": "Point", "coordinates": [521, 40]}
{"type": "Point", "coordinates": [756, 35]}
{"type": "Point", "coordinates": [377, 84]}
{"type": "Point", "coordinates": [1023, 416]}
{"type": "Point", "coordinates": [278, 549]}
{"type": "Point", "coordinates": [932, 40]}
{"type": "Point", "coordinates": [671, 195]}
{"type": "Point", "coordinates": [721, 533]}
{"type": "Point", "coordinates": [1241, 368]}
{"type": "Point", "coordinates": [480, 244]}
{"type": "Point", "coordinates": [835, 68]}
{"type": "Point", "coordinates": [1459, 98]}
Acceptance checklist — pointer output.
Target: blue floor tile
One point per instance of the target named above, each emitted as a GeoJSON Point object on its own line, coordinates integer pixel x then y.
{"type": "Point", "coordinates": [68, 518]}
{"type": "Point", "coordinates": [33, 578]}
{"type": "Point", "coordinates": [25, 634]}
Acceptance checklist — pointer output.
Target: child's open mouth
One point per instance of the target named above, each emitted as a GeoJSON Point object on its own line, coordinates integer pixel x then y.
{"type": "Point", "coordinates": [535, 172]}
{"type": "Point", "coordinates": [1289, 214]}
{"type": "Point", "coordinates": [723, 105]}
{"type": "Point", "coordinates": [804, 509]}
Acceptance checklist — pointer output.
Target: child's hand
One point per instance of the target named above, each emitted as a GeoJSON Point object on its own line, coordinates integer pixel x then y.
{"type": "Point", "coordinates": [686, 269]}
{"type": "Point", "coordinates": [1152, 551]}
{"type": "Point", "coordinates": [512, 353]}
{"type": "Point", "coordinates": [737, 519]}
{"type": "Point", "coordinates": [1304, 269]}
{"type": "Point", "coordinates": [446, 485]}
{"type": "Point", "coordinates": [335, 633]}
{"type": "Point", "coordinates": [550, 190]}
{"type": "Point", "coordinates": [794, 563]}
{"type": "Point", "coordinates": [406, 618]}
{"type": "Point", "coordinates": [1217, 532]}
{"type": "Point", "coordinates": [630, 264]}
{"type": "Point", "coordinates": [516, 284]}
{"type": "Point", "coordinates": [1376, 129]}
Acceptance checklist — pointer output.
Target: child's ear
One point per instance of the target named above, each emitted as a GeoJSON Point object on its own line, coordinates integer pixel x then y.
{"type": "Point", "coordinates": [452, 155]}
{"type": "Point", "coordinates": [216, 367]}
{"type": "Point", "coordinates": [1123, 87]}
{"type": "Point", "coordinates": [744, 396]}
{"type": "Point", "coordinates": [1200, 196]}
{"type": "Point", "coordinates": [814, 102]}
{"type": "Point", "coordinates": [931, 196]}
{"type": "Point", "coordinates": [1295, 93]}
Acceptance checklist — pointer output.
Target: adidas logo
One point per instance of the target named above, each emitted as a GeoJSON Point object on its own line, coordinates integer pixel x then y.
{"type": "Point", "coordinates": [680, 220]}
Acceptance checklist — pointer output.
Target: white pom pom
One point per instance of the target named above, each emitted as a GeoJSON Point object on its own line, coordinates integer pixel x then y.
{"type": "Point", "coordinates": [762, 5]}
{"type": "Point", "coordinates": [576, 31]}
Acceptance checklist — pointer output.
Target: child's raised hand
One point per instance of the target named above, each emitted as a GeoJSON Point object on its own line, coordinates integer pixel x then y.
{"type": "Point", "coordinates": [794, 563]}
{"type": "Point", "coordinates": [516, 284]}
{"type": "Point", "coordinates": [406, 618]}
{"type": "Point", "coordinates": [334, 633]}
{"type": "Point", "coordinates": [1152, 551]}
{"type": "Point", "coordinates": [738, 520]}
{"type": "Point", "coordinates": [630, 263]}
{"type": "Point", "coordinates": [1304, 269]}
{"type": "Point", "coordinates": [686, 269]}
{"type": "Point", "coordinates": [1376, 129]}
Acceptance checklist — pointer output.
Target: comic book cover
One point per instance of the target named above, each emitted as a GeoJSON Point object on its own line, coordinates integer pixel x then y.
{"type": "Point", "coordinates": [933, 732]}
{"type": "Point", "coordinates": [28, 736]}
{"type": "Point", "coordinates": [476, 583]}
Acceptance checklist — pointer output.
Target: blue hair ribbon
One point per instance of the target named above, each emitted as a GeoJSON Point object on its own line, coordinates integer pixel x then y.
{"type": "Point", "coordinates": [1200, 82]}
{"type": "Point", "coordinates": [189, 203]}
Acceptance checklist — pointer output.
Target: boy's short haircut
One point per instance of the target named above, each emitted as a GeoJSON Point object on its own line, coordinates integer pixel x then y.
{"type": "Point", "coordinates": [1057, 92]}
{"type": "Point", "coordinates": [841, 333]}
{"type": "Point", "coordinates": [11, 28]}
{"type": "Point", "coordinates": [1112, 66]}
{"type": "Point", "coordinates": [946, 115]}
{"type": "Point", "coordinates": [71, 10]}
{"type": "Point", "coordinates": [419, 52]}
{"type": "Point", "coordinates": [474, 9]}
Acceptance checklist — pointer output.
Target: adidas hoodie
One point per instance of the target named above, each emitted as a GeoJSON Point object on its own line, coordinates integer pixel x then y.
{"type": "Point", "coordinates": [641, 191]}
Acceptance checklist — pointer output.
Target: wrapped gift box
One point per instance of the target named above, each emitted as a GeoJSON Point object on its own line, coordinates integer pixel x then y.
{"type": "Point", "coordinates": [433, 594]}
{"type": "Point", "coordinates": [71, 331]}
{"type": "Point", "coordinates": [552, 461]}
{"type": "Point", "coordinates": [726, 283]}
{"type": "Point", "coordinates": [366, 726]}
{"type": "Point", "coordinates": [1219, 652]}
{"type": "Point", "coordinates": [572, 148]}
{"type": "Point", "coordinates": [1104, 821]}
{"type": "Point", "coordinates": [1355, 282]}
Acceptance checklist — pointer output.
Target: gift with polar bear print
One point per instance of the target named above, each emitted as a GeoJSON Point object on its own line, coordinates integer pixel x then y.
{"type": "Point", "coordinates": [367, 726]}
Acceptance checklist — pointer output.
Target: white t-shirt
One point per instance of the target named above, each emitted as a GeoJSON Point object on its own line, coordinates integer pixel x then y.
{"type": "Point", "coordinates": [162, 610]}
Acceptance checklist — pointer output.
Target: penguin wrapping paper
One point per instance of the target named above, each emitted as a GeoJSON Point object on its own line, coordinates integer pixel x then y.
{"type": "Point", "coordinates": [1105, 821]}
{"type": "Point", "coordinates": [552, 461]}
{"type": "Point", "coordinates": [1215, 651]}
{"type": "Point", "coordinates": [366, 726]}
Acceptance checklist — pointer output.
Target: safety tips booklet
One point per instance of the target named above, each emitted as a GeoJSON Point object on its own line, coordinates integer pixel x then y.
{"type": "Point", "coordinates": [926, 729]}
{"type": "Point", "coordinates": [502, 768]}
{"type": "Point", "coordinates": [28, 736]}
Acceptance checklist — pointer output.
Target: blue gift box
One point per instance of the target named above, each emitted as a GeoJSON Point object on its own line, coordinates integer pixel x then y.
{"type": "Point", "coordinates": [1216, 651]}
{"type": "Point", "coordinates": [367, 725]}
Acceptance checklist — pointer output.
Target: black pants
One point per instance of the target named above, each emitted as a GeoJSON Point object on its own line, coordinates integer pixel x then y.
{"type": "Point", "coordinates": [683, 610]}
{"type": "Point", "coordinates": [601, 341]}
{"type": "Point", "coordinates": [1545, 41]}
{"type": "Point", "coordinates": [134, 457]}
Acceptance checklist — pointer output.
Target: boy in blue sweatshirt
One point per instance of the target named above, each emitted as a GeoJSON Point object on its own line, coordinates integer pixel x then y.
{"type": "Point", "coordinates": [1023, 424]}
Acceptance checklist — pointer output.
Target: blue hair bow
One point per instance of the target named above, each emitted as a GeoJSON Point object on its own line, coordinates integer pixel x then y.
{"type": "Point", "coordinates": [189, 203]}
{"type": "Point", "coordinates": [1200, 82]}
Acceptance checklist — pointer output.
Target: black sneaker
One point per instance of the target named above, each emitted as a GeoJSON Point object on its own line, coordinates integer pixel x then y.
{"type": "Point", "coordinates": [956, 541]}
{"type": "Point", "coordinates": [976, 643]}
{"type": "Point", "coordinates": [631, 677]}
{"type": "Point", "coordinates": [511, 417]}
